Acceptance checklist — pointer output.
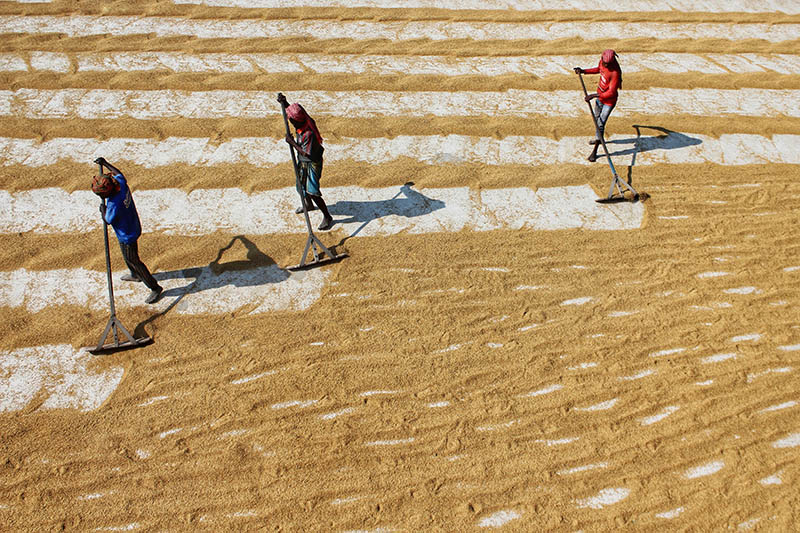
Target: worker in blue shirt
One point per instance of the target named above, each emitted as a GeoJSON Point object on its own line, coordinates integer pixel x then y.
{"type": "Point", "coordinates": [120, 212]}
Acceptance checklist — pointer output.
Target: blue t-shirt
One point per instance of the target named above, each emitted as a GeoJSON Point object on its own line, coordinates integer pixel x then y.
{"type": "Point", "coordinates": [121, 213]}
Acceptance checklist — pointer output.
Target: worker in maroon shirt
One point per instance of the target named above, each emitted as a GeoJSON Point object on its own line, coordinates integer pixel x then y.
{"type": "Point", "coordinates": [607, 89]}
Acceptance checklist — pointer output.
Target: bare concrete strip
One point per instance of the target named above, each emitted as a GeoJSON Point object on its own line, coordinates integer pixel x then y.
{"type": "Point", "coordinates": [85, 25]}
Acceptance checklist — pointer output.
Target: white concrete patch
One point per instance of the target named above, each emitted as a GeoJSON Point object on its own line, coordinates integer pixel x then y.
{"type": "Point", "coordinates": [699, 6]}
{"type": "Point", "coordinates": [602, 406]}
{"type": "Point", "coordinates": [706, 275]}
{"type": "Point", "coordinates": [791, 269]}
{"type": "Point", "coordinates": [435, 405]}
{"type": "Point", "coordinates": [646, 421]}
{"type": "Point", "coordinates": [499, 519]}
{"type": "Point", "coordinates": [302, 404]}
{"type": "Point", "coordinates": [582, 366]}
{"type": "Point", "coordinates": [670, 351]}
{"type": "Point", "coordinates": [584, 468]}
{"type": "Point", "coordinates": [556, 442]}
{"type": "Point", "coordinates": [704, 470]}
{"type": "Point", "coordinates": [143, 454]}
{"type": "Point", "coordinates": [387, 65]}
{"type": "Point", "coordinates": [672, 148]}
{"type": "Point", "coordinates": [705, 383]}
{"type": "Point", "coordinates": [196, 291]}
{"type": "Point", "coordinates": [169, 432]}
{"type": "Point", "coordinates": [620, 314]}
{"type": "Point", "coordinates": [782, 370]}
{"type": "Point", "coordinates": [789, 348]}
{"type": "Point", "coordinates": [714, 305]}
{"type": "Point", "coordinates": [152, 400]}
{"type": "Point", "coordinates": [452, 347]}
{"type": "Point", "coordinates": [578, 301]}
{"type": "Point", "coordinates": [496, 427]}
{"type": "Point", "coordinates": [639, 375]}
{"type": "Point", "coordinates": [93, 496]}
{"type": "Point", "coordinates": [65, 376]}
{"type": "Point", "coordinates": [127, 527]}
{"type": "Point", "coordinates": [351, 499]}
{"type": "Point", "coordinates": [376, 530]}
{"type": "Point", "coordinates": [742, 290]}
{"type": "Point", "coordinates": [85, 25]}
{"type": "Point", "coordinates": [669, 515]}
{"type": "Point", "coordinates": [748, 524]}
{"type": "Point", "coordinates": [233, 433]}
{"type": "Point", "coordinates": [779, 407]}
{"type": "Point", "coordinates": [717, 358]}
{"type": "Point", "coordinates": [750, 337]}
{"type": "Point", "coordinates": [390, 442]}
{"type": "Point", "coordinates": [792, 441]}
{"type": "Point", "coordinates": [377, 393]}
{"type": "Point", "coordinates": [254, 377]}
{"type": "Point", "coordinates": [774, 479]}
{"type": "Point", "coordinates": [545, 390]}
{"type": "Point", "coordinates": [603, 498]}
{"type": "Point", "coordinates": [163, 104]}
{"type": "Point", "coordinates": [365, 212]}
{"type": "Point", "coordinates": [335, 414]}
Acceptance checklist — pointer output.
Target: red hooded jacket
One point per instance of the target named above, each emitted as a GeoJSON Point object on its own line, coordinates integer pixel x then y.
{"type": "Point", "coordinates": [610, 82]}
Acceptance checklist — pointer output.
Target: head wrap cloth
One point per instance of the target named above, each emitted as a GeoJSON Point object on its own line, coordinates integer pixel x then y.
{"type": "Point", "coordinates": [609, 57]}
{"type": "Point", "coordinates": [299, 115]}
{"type": "Point", "coordinates": [104, 185]}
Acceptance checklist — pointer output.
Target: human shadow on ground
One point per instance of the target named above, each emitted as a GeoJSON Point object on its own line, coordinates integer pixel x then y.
{"type": "Point", "coordinates": [670, 140]}
{"type": "Point", "coordinates": [258, 269]}
{"type": "Point", "coordinates": [411, 204]}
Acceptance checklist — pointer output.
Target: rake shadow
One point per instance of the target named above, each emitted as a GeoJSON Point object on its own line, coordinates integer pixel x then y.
{"type": "Point", "coordinates": [671, 140]}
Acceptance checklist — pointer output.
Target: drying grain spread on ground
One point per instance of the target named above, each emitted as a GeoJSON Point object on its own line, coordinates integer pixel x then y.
{"type": "Point", "coordinates": [497, 350]}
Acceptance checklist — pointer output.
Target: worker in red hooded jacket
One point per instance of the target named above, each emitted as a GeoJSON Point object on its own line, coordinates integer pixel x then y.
{"type": "Point", "coordinates": [607, 91]}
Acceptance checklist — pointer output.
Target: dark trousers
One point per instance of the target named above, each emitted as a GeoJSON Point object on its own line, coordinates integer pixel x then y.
{"type": "Point", "coordinates": [130, 252]}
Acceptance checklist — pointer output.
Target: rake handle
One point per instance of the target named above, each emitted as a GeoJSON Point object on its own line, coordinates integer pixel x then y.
{"type": "Point", "coordinates": [284, 104]}
{"type": "Point", "coordinates": [589, 103]}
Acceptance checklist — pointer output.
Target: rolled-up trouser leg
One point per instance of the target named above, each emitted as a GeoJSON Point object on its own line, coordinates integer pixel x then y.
{"type": "Point", "coordinates": [601, 113]}
{"type": "Point", "coordinates": [130, 252]}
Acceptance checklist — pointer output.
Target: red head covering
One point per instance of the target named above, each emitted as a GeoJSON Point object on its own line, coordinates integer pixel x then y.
{"type": "Point", "coordinates": [299, 115]}
{"type": "Point", "coordinates": [609, 57]}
